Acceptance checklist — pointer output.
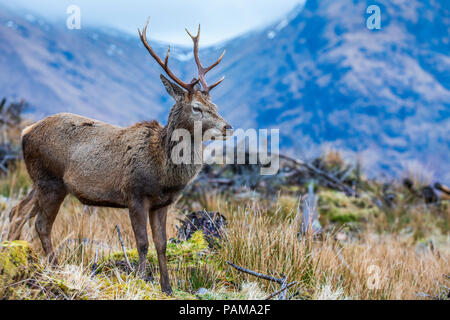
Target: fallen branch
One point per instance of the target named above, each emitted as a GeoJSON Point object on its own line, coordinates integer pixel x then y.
{"type": "Point", "coordinates": [256, 274]}
{"type": "Point", "coordinates": [442, 188]}
{"type": "Point", "coordinates": [282, 290]}
{"type": "Point", "coordinates": [335, 181]}
{"type": "Point", "coordinates": [123, 248]}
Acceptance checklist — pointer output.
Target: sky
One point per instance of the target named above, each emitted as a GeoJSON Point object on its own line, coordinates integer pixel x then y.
{"type": "Point", "coordinates": [220, 19]}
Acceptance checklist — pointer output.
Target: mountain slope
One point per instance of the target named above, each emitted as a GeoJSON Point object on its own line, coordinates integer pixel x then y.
{"type": "Point", "coordinates": [319, 75]}
{"type": "Point", "coordinates": [323, 77]}
{"type": "Point", "coordinates": [99, 73]}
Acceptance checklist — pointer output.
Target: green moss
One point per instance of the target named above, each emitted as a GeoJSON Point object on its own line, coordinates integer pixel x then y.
{"type": "Point", "coordinates": [189, 252]}
{"type": "Point", "coordinates": [337, 207]}
{"type": "Point", "coordinates": [191, 266]}
{"type": "Point", "coordinates": [189, 249]}
{"type": "Point", "coordinates": [17, 262]}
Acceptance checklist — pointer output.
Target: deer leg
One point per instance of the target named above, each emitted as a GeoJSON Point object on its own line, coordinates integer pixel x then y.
{"type": "Point", "coordinates": [138, 217]}
{"type": "Point", "coordinates": [50, 199]}
{"type": "Point", "coordinates": [158, 224]}
{"type": "Point", "coordinates": [22, 213]}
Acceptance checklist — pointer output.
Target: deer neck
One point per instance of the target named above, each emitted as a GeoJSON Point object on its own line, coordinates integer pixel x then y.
{"type": "Point", "coordinates": [180, 173]}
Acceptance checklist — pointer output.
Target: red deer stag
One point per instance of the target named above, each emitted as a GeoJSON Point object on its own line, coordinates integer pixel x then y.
{"type": "Point", "coordinates": [105, 165]}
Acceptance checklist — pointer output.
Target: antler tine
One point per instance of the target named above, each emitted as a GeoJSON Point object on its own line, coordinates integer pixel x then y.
{"type": "Point", "coordinates": [166, 61]}
{"type": "Point", "coordinates": [216, 63]}
{"type": "Point", "coordinates": [192, 37]}
{"type": "Point", "coordinates": [216, 84]}
{"type": "Point", "coordinates": [143, 35]}
{"type": "Point", "coordinates": [201, 70]}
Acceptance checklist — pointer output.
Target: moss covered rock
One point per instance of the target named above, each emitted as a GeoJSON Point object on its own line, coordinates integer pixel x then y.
{"type": "Point", "coordinates": [337, 207]}
{"type": "Point", "coordinates": [191, 266]}
{"type": "Point", "coordinates": [17, 262]}
{"type": "Point", "coordinates": [189, 252]}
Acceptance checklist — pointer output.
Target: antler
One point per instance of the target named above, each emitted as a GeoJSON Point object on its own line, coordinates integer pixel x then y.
{"type": "Point", "coordinates": [188, 86]}
{"type": "Point", "coordinates": [201, 70]}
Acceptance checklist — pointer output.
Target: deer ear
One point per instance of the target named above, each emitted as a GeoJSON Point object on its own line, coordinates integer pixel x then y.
{"type": "Point", "coordinates": [174, 90]}
{"type": "Point", "coordinates": [197, 87]}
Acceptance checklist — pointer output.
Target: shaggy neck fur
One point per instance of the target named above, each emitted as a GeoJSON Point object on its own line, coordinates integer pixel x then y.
{"type": "Point", "coordinates": [179, 173]}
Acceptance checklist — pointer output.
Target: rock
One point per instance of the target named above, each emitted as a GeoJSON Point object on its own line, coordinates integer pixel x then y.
{"type": "Point", "coordinates": [17, 262]}
{"type": "Point", "coordinates": [211, 223]}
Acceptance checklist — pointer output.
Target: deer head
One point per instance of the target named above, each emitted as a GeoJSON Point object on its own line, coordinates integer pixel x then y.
{"type": "Point", "coordinates": [192, 100]}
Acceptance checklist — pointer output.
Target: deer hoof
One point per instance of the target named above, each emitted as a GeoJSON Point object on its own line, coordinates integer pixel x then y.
{"type": "Point", "coordinates": [167, 291]}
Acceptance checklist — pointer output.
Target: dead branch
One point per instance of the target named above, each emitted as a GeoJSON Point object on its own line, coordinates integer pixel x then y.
{"type": "Point", "coordinates": [442, 188]}
{"type": "Point", "coordinates": [331, 179]}
{"type": "Point", "coordinates": [256, 274]}
{"type": "Point", "coordinates": [283, 289]}
{"type": "Point", "coordinates": [123, 248]}
{"type": "Point", "coordinates": [282, 295]}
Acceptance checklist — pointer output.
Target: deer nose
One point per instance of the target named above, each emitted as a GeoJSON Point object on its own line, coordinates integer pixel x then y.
{"type": "Point", "coordinates": [227, 130]}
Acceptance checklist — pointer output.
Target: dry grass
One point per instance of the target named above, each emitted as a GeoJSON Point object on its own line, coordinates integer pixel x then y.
{"type": "Point", "coordinates": [394, 255]}
{"type": "Point", "coordinates": [260, 242]}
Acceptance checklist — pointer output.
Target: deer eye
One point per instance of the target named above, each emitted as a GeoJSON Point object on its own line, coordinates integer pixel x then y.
{"type": "Point", "coordinates": [196, 110]}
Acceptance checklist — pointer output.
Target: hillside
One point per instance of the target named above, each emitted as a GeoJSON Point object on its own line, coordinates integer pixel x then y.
{"type": "Point", "coordinates": [322, 77]}
{"type": "Point", "coordinates": [103, 74]}
{"type": "Point", "coordinates": [319, 75]}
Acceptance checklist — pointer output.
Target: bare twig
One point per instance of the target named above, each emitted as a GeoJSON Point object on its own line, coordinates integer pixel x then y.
{"type": "Point", "coordinates": [281, 290]}
{"type": "Point", "coordinates": [256, 274]}
{"type": "Point", "coordinates": [333, 180]}
{"type": "Point", "coordinates": [282, 295]}
{"type": "Point", "coordinates": [281, 281]}
{"type": "Point", "coordinates": [123, 248]}
{"type": "Point", "coordinates": [442, 188]}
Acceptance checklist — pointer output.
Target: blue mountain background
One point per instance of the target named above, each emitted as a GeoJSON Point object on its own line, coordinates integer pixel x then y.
{"type": "Point", "coordinates": [319, 75]}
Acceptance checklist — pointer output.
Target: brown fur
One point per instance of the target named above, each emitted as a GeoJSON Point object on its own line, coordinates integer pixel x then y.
{"type": "Point", "coordinates": [105, 165]}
